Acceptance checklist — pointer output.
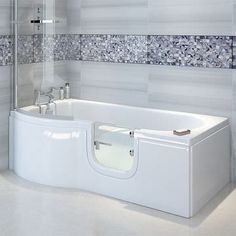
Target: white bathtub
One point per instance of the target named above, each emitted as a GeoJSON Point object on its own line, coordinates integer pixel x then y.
{"type": "Point", "coordinates": [124, 152]}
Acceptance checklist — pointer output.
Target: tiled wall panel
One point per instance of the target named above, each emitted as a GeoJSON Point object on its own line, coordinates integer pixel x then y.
{"type": "Point", "coordinates": [108, 16]}
{"type": "Point", "coordinates": [5, 73]}
{"type": "Point", "coordinates": [161, 17]}
{"type": "Point", "coordinates": [234, 122]}
{"type": "Point", "coordinates": [115, 83]}
{"type": "Point", "coordinates": [5, 17]}
{"type": "Point", "coordinates": [206, 91]}
{"type": "Point", "coordinates": [188, 17]}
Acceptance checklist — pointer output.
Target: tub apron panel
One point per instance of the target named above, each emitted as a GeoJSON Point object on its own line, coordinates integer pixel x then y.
{"type": "Point", "coordinates": [49, 154]}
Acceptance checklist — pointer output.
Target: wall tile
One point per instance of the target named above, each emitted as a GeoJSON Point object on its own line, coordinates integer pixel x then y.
{"type": "Point", "coordinates": [25, 49]}
{"type": "Point", "coordinates": [110, 17]}
{"type": "Point", "coordinates": [43, 48]}
{"type": "Point", "coordinates": [198, 51]}
{"type": "Point", "coordinates": [5, 17]}
{"type": "Point", "coordinates": [5, 73]}
{"type": "Point", "coordinates": [195, 51]}
{"type": "Point", "coordinates": [73, 47]}
{"type": "Point", "coordinates": [190, 17]}
{"type": "Point", "coordinates": [115, 50]}
{"type": "Point", "coordinates": [115, 83]}
{"type": "Point", "coordinates": [6, 50]}
{"type": "Point", "coordinates": [234, 52]}
{"type": "Point", "coordinates": [60, 47]}
{"type": "Point", "coordinates": [93, 47]}
{"type": "Point", "coordinates": [135, 49]}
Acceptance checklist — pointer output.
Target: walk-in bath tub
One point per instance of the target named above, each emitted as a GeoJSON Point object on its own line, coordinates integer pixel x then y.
{"type": "Point", "coordinates": [124, 152]}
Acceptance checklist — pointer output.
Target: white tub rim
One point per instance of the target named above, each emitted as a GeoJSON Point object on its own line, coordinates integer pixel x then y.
{"type": "Point", "coordinates": [212, 123]}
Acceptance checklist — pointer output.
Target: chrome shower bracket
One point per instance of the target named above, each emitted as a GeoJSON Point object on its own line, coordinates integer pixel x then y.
{"type": "Point", "coordinates": [39, 20]}
{"type": "Point", "coordinates": [38, 14]}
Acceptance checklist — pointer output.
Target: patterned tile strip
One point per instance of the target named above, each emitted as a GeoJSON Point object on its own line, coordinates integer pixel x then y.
{"type": "Point", "coordinates": [6, 50]}
{"type": "Point", "coordinates": [234, 52]}
{"type": "Point", "coordinates": [114, 48]}
{"type": "Point", "coordinates": [195, 51]}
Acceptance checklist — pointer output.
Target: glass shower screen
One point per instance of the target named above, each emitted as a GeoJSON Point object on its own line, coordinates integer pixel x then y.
{"type": "Point", "coordinates": [40, 27]}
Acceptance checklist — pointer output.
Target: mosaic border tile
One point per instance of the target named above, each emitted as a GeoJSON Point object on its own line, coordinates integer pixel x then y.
{"type": "Point", "coordinates": [195, 51]}
{"type": "Point", "coordinates": [234, 52]}
{"type": "Point", "coordinates": [114, 48]}
{"type": "Point", "coordinates": [26, 49]}
{"type": "Point", "coordinates": [73, 47]}
{"type": "Point", "coordinates": [178, 50]}
{"type": "Point", "coordinates": [6, 50]}
{"type": "Point", "coordinates": [93, 47]}
{"type": "Point", "coordinates": [214, 51]}
{"type": "Point", "coordinates": [136, 48]}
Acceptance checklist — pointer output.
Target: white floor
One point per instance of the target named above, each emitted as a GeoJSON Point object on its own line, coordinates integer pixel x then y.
{"type": "Point", "coordinates": [31, 209]}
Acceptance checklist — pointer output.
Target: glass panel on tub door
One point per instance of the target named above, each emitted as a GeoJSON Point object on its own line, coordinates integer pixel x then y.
{"type": "Point", "coordinates": [114, 146]}
{"type": "Point", "coordinates": [41, 55]}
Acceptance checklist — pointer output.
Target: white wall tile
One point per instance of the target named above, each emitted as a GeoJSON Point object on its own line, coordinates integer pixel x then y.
{"type": "Point", "coordinates": [207, 17]}
{"type": "Point", "coordinates": [234, 17]}
{"type": "Point", "coordinates": [108, 16]}
{"type": "Point", "coordinates": [5, 17]}
{"type": "Point", "coordinates": [206, 91]}
{"type": "Point", "coordinates": [115, 83]}
{"type": "Point", "coordinates": [5, 73]}
{"type": "Point", "coordinates": [74, 77]}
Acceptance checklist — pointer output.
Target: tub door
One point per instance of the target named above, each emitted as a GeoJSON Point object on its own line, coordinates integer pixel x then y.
{"type": "Point", "coordinates": [113, 150]}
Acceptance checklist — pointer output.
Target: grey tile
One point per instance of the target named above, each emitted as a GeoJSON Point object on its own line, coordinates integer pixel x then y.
{"type": "Point", "coordinates": [171, 50]}
{"type": "Point", "coordinates": [6, 50]}
{"type": "Point", "coordinates": [94, 48]}
{"type": "Point", "coordinates": [43, 48]}
{"type": "Point", "coordinates": [197, 51]}
{"type": "Point", "coordinates": [234, 52]}
{"type": "Point", "coordinates": [25, 49]}
{"type": "Point", "coordinates": [136, 49]}
{"type": "Point", "coordinates": [115, 51]}
{"type": "Point", "coordinates": [73, 47]}
{"type": "Point", "coordinates": [114, 48]}
{"type": "Point", "coordinates": [213, 52]}
{"type": "Point", "coordinates": [60, 46]}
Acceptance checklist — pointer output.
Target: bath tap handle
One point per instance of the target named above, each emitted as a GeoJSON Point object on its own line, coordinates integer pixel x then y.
{"type": "Point", "coordinates": [50, 96]}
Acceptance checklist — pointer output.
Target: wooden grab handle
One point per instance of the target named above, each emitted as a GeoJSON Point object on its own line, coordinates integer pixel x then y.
{"type": "Point", "coordinates": [182, 133]}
